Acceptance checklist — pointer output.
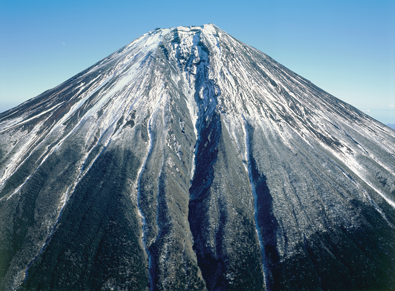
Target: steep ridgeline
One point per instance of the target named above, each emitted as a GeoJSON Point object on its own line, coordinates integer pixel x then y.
{"type": "Point", "coordinates": [188, 160]}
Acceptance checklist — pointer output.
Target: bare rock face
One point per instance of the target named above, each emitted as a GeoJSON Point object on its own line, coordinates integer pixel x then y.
{"type": "Point", "coordinates": [188, 160]}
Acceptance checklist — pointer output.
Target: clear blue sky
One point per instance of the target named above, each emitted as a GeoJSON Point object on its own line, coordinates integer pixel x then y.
{"type": "Point", "coordinates": [346, 48]}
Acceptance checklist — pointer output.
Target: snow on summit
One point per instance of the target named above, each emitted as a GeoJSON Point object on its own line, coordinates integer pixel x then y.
{"type": "Point", "coordinates": [188, 160]}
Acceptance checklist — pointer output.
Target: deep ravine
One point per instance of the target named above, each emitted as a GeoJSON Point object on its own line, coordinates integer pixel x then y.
{"type": "Point", "coordinates": [188, 160]}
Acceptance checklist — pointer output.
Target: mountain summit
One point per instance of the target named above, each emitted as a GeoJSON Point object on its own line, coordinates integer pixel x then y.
{"type": "Point", "coordinates": [188, 160]}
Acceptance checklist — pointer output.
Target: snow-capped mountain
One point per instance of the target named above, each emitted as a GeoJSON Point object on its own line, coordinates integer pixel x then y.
{"type": "Point", "coordinates": [188, 160]}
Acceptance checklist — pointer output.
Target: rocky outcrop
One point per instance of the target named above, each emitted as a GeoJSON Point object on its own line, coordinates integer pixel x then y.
{"type": "Point", "coordinates": [188, 160]}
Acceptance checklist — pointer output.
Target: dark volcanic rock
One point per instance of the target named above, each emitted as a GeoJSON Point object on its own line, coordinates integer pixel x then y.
{"type": "Point", "coordinates": [188, 160]}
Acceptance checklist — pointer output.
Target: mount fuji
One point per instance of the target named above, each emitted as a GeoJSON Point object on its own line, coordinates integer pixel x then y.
{"type": "Point", "coordinates": [188, 160]}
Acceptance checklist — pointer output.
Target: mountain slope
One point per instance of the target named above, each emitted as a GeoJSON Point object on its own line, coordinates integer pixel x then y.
{"type": "Point", "coordinates": [188, 160]}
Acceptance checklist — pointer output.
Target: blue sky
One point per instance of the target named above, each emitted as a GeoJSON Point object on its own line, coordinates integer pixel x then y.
{"type": "Point", "coordinates": [346, 48]}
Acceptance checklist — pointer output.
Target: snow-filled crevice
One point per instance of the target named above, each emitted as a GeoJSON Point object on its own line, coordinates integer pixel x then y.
{"type": "Point", "coordinates": [265, 221]}
{"type": "Point", "coordinates": [302, 183]}
{"type": "Point", "coordinates": [151, 247]}
{"type": "Point", "coordinates": [152, 260]}
{"type": "Point", "coordinates": [141, 212]}
{"type": "Point", "coordinates": [208, 130]}
{"type": "Point", "coordinates": [146, 244]}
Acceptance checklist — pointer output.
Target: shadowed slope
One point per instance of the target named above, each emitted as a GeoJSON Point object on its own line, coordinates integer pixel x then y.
{"type": "Point", "coordinates": [188, 160]}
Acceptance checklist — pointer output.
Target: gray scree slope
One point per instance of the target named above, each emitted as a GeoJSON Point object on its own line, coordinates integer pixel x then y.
{"type": "Point", "coordinates": [188, 160]}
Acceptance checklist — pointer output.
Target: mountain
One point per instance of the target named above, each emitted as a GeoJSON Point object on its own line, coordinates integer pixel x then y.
{"type": "Point", "coordinates": [188, 160]}
{"type": "Point", "coordinates": [391, 125]}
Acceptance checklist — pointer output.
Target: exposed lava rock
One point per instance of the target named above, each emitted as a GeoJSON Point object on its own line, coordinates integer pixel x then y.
{"type": "Point", "coordinates": [188, 160]}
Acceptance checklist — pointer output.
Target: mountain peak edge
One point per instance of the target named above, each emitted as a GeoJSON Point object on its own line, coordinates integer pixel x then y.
{"type": "Point", "coordinates": [188, 160]}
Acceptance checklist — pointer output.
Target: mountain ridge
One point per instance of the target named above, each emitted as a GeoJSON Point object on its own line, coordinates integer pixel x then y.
{"type": "Point", "coordinates": [218, 166]}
